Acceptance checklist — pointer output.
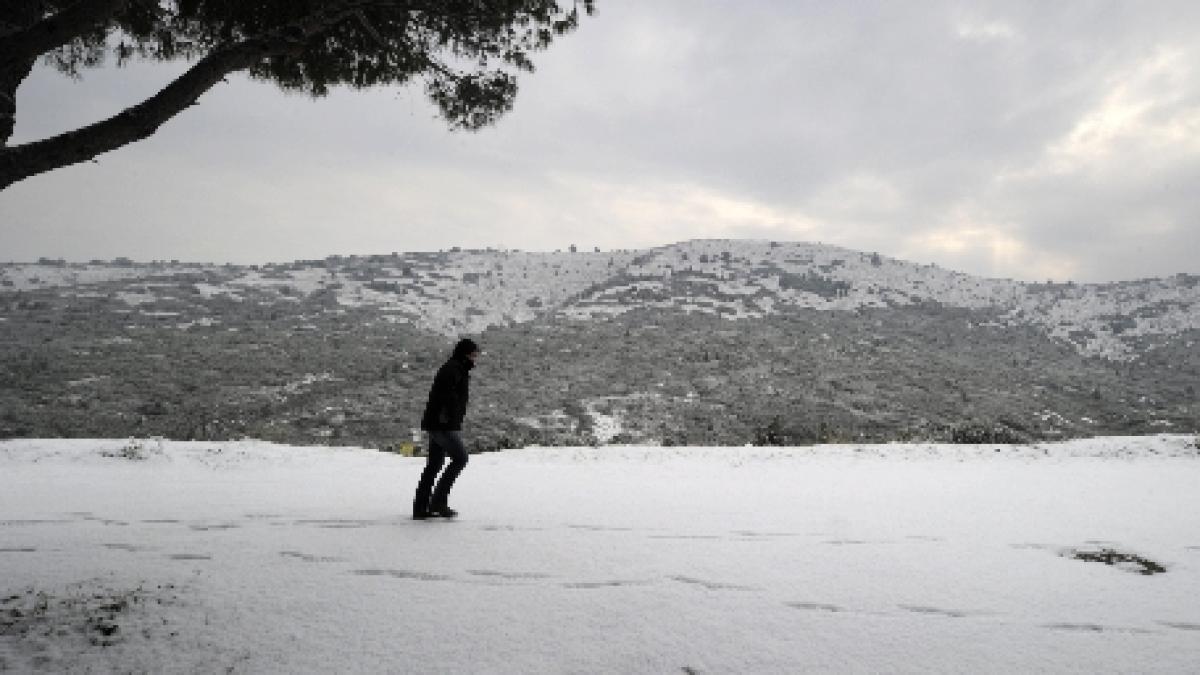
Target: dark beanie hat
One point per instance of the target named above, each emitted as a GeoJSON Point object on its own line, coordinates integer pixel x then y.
{"type": "Point", "coordinates": [465, 346]}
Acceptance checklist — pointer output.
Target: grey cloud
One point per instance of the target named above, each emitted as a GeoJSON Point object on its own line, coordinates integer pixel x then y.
{"type": "Point", "coordinates": [861, 124]}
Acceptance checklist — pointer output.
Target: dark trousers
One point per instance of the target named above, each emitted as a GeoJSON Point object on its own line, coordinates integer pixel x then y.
{"type": "Point", "coordinates": [441, 443]}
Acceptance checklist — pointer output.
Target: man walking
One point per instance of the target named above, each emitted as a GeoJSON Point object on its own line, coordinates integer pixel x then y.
{"type": "Point", "coordinates": [443, 420]}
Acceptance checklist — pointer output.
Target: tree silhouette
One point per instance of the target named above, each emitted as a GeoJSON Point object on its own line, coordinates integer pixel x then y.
{"type": "Point", "coordinates": [466, 52]}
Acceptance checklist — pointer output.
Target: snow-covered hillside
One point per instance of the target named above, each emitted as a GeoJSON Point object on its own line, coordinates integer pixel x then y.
{"type": "Point", "coordinates": [466, 291]}
{"type": "Point", "coordinates": [119, 556]}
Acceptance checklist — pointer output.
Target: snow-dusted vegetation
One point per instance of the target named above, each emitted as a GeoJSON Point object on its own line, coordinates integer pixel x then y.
{"type": "Point", "coordinates": [466, 291]}
{"type": "Point", "coordinates": [702, 342]}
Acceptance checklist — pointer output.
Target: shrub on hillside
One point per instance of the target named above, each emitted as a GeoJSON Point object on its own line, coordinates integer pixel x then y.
{"type": "Point", "coordinates": [779, 431]}
{"type": "Point", "coordinates": [816, 284]}
{"type": "Point", "coordinates": [977, 432]}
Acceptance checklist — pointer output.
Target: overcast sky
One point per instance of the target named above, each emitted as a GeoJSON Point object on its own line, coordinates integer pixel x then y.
{"type": "Point", "coordinates": [1040, 140]}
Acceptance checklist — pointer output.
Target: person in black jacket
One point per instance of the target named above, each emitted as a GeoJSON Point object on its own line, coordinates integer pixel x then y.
{"type": "Point", "coordinates": [443, 420]}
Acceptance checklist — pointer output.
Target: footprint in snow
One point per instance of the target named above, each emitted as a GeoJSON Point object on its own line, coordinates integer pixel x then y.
{"type": "Point", "coordinates": [336, 523]}
{"type": "Point", "coordinates": [511, 576]}
{"type": "Point", "coordinates": [615, 583]}
{"type": "Point", "coordinates": [815, 606]}
{"type": "Point", "coordinates": [124, 547]}
{"type": "Point", "coordinates": [711, 585]}
{"type": "Point", "coordinates": [104, 521]}
{"type": "Point", "coordinates": [1096, 628]}
{"type": "Point", "coordinates": [205, 527]}
{"type": "Point", "coordinates": [402, 574]}
{"type": "Point", "coordinates": [1181, 625]}
{"type": "Point", "coordinates": [306, 557]}
{"type": "Point", "coordinates": [937, 611]}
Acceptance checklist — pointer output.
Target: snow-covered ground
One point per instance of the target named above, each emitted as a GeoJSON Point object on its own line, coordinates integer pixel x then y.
{"type": "Point", "coordinates": [251, 557]}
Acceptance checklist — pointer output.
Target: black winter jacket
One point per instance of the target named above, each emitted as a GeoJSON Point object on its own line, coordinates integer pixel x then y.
{"type": "Point", "coordinates": [448, 396]}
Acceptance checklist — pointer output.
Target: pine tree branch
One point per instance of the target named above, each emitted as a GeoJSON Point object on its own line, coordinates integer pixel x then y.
{"type": "Point", "coordinates": [132, 124]}
{"type": "Point", "coordinates": [142, 120]}
{"type": "Point", "coordinates": [55, 31]}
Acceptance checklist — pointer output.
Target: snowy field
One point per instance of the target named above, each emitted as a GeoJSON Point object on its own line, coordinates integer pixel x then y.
{"type": "Point", "coordinates": [251, 557]}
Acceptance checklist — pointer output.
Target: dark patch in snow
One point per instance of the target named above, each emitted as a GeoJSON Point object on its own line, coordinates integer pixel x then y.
{"type": "Point", "coordinates": [753, 533]}
{"type": "Point", "coordinates": [189, 556]}
{"type": "Point", "coordinates": [402, 574]}
{"type": "Point", "coordinates": [31, 521]}
{"type": "Point", "coordinates": [924, 537]}
{"type": "Point", "coordinates": [161, 521]}
{"type": "Point", "coordinates": [815, 606]}
{"type": "Point", "coordinates": [1130, 562]}
{"type": "Point", "coordinates": [80, 618]}
{"type": "Point", "coordinates": [847, 542]}
{"type": "Point", "coordinates": [26, 549]}
{"type": "Point", "coordinates": [684, 536]}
